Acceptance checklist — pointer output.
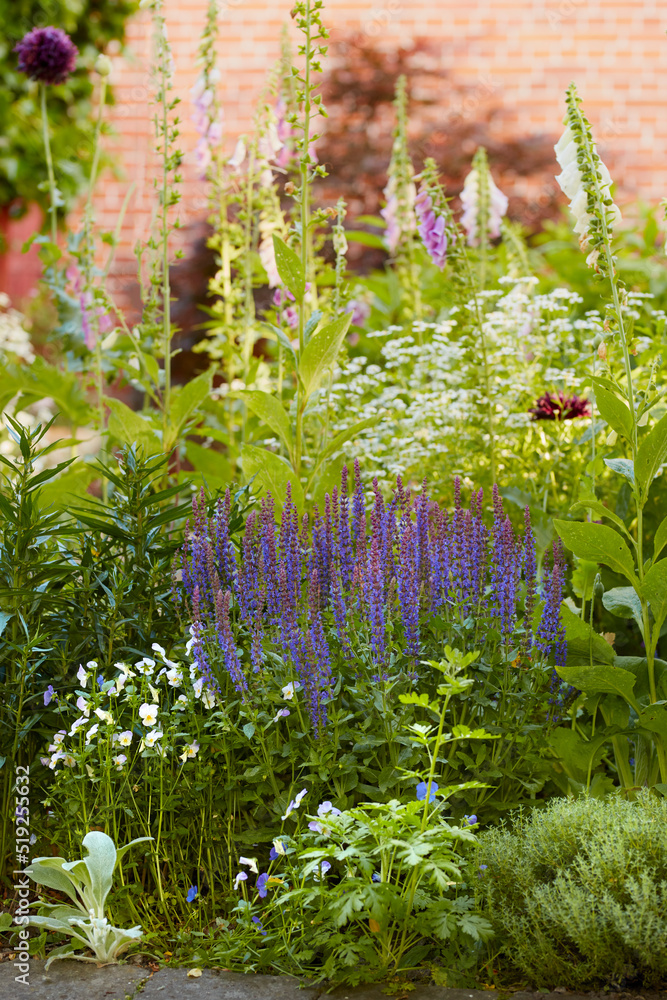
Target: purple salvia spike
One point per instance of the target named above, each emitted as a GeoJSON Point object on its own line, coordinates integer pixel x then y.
{"type": "Point", "coordinates": [226, 641]}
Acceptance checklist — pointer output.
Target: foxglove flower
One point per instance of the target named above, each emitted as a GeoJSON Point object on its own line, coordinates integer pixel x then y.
{"type": "Point", "coordinates": [47, 55]}
{"type": "Point", "coordinates": [483, 203]}
{"type": "Point", "coordinates": [585, 179]}
{"type": "Point", "coordinates": [431, 225]}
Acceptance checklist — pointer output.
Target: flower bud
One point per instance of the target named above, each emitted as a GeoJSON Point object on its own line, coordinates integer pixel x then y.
{"type": "Point", "coordinates": [611, 438]}
{"type": "Point", "coordinates": [103, 65]}
{"type": "Point", "coordinates": [602, 351]}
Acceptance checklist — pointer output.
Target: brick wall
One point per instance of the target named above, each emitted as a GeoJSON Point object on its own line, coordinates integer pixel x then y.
{"type": "Point", "coordinates": [523, 53]}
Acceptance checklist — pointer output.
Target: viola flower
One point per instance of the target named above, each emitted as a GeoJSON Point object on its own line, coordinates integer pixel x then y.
{"type": "Point", "coordinates": [157, 648]}
{"type": "Point", "coordinates": [145, 666]}
{"type": "Point", "coordinates": [148, 714]}
{"type": "Point", "coordinates": [190, 750]}
{"type": "Point", "coordinates": [151, 738]}
{"type": "Point", "coordinates": [47, 55]}
{"type": "Point", "coordinates": [124, 738]}
{"type": "Point", "coordinates": [288, 691]}
{"type": "Point", "coordinates": [295, 803]}
{"type": "Point", "coordinates": [118, 761]}
{"type": "Point", "coordinates": [282, 713]}
{"type": "Point", "coordinates": [192, 893]}
{"type": "Point", "coordinates": [69, 760]}
{"type": "Point", "coordinates": [174, 677]}
{"type": "Point", "coordinates": [324, 809]}
{"type": "Point", "coordinates": [83, 705]}
{"type": "Point", "coordinates": [77, 723]}
{"type": "Point", "coordinates": [104, 716]}
{"type": "Point", "coordinates": [241, 877]}
{"type": "Point", "coordinates": [470, 820]}
{"type": "Point", "coordinates": [321, 872]}
{"type": "Point", "coordinates": [422, 788]}
{"type": "Point", "coordinates": [251, 863]}
{"type": "Point", "coordinates": [278, 850]}
{"type": "Point", "coordinates": [260, 926]}
{"type": "Point", "coordinates": [49, 694]}
{"type": "Point", "coordinates": [261, 885]}
{"type": "Point", "coordinates": [92, 731]}
{"type": "Point", "coordinates": [559, 407]}
{"type": "Point", "coordinates": [83, 676]}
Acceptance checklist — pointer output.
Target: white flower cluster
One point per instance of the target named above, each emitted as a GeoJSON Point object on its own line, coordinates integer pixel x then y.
{"type": "Point", "coordinates": [14, 338]}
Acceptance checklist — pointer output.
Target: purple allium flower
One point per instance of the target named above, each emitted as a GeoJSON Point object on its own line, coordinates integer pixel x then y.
{"type": "Point", "coordinates": [559, 407]}
{"type": "Point", "coordinates": [47, 55]}
{"type": "Point", "coordinates": [422, 788]}
{"type": "Point", "coordinates": [49, 694]}
{"type": "Point", "coordinates": [193, 891]}
{"type": "Point", "coordinates": [431, 225]}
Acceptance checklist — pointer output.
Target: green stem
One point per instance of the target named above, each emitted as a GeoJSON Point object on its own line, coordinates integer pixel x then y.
{"type": "Point", "coordinates": [49, 166]}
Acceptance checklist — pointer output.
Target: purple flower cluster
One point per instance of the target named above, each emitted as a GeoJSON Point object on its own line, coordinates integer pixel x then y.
{"type": "Point", "coordinates": [47, 55]}
{"type": "Point", "coordinates": [360, 582]}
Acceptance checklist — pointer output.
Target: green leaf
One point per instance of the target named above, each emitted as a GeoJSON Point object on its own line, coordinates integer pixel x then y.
{"type": "Point", "coordinates": [289, 268]}
{"type": "Point", "coordinates": [654, 589]}
{"type": "Point", "coordinates": [651, 455]}
{"type": "Point", "coordinates": [74, 482]}
{"type": "Point", "coordinates": [602, 511]}
{"type": "Point", "coordinates": [283, 340]}
{"type": "Point", "coordinates": [122, 851]}
{"type": "Point", "coordinates": [270, 410]}
{"type": "Point", "coordinates": [600, 680]}
{"type": "Point", "coordinates": [272, 473]}
{"type": "Point", "coordinates": [623, 466]}
{"type": "Point", "coordinates": [337, 443]}
{"type": "Point", "coordinates": [100, 862]}
{"type": "Point", "coordinates": [660, 539]}
{"type": "Point", "coordinates": [614, 411]}
{"type": "Point", "coordinates": [210, 463]}
{"type": "Point", "coordinates": [127, 426]}
{"type": "Point", "coordinates": [624, 603]}
{"type": "Point", "coordinates": [654, 718]}
{"type": "Point", "coordinates": [321, 352]}
{"type": "Point", "coordinates": [249, 730]}
{"type": "Point", "coordinates": [6, 921]}
{"type": "Point", "coordinates": [184, 401]}
{"type": "Point", "coordinates": [5, 617]}
{"type": "Point", "coordinates": [598, 543]}
{"type": "Point", "coordinates": [576, 753]}
{"type": "Point", "coordinates": [582, 640]}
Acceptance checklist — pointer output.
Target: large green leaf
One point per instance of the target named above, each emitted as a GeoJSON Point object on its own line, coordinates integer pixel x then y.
{"type": "Point", "coordinates": [651, 455]}
{"type": "Point", "coordinates": [210, 463]}
{"type": "Point", "coordinates": [614, 411]}
{"type": "Point", "coordinates": [271, 473]}
{"type": "Point", "coordinates": [289, 268]}
{"type": "Point", "coordinates": [582, 641]}
{"type": "Point", "coordinates": [623, 602]}
{"type": "Point", "coordinates": [185, 400]}
{"type": "Point", "coordinates": [654, 718]}
{"type": "Point", "coordinates": [270, 410]}
{"type": "Point", "coordinates": [320, 353]}
{"type": "Point", "coordinates": [600, 680]}
{"type": "Point", "coordinates": [577, 754]}
{"type": "Point", "coordinates": [100, 862]}
{"type": "Point", "coordinates": [601, 511]}
{"type": "Point", "coordinates": [654, 589]}
{"type": "Point", "coordinates": [128, 427]}
{"type": "Point", "coordinates": [598, 543]}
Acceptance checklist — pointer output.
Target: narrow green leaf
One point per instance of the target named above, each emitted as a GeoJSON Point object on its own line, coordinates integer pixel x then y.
{"type": "Point", "coordinates": [651, 455]}
{"type": "Point", "coordinates": [614, 411]}
{"type": "Point", "coordinates": [269, 410]}
{"type": "Point", "coordinates": [600, 544]}
{"type": "Point", "coordinates": [660, 539]}
{"type": "Point", "coordinates": [321, 352]}
{"type": "Point", "coordinates": [271, 473]}
{"type": "Point", "coordinates": [289, 268]}
{"type": "Point", "coordinates": [188, 398]}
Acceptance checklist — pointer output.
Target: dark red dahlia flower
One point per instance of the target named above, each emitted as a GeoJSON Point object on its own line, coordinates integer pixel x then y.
{"type": "Point", "coordinates": [559, 407]}
{"type": "Point", "coordinates": [47, 55]}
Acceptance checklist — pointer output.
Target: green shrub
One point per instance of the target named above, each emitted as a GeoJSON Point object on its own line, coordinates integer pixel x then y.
{"type": "Point", "coordinates": [578, 892]}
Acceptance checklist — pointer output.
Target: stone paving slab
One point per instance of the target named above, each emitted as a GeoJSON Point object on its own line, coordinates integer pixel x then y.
{"type": "Point", "coordinates": [67, 980]}
{"type": "Point", "coordinates": [175, 984]}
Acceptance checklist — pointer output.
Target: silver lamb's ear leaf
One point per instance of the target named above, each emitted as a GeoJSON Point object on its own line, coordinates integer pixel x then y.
{"type": "Point", "coordinates": [79, 870]}
{"type": "Point", "coordinates": [51, 876]}
{"type": "Point", "coordinates": [100, 862]}
{"type": "Point", "coordinates": [137, 840]}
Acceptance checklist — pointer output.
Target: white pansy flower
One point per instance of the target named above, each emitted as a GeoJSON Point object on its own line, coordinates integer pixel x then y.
{"type": "Point", "coordinates": [83, 676]}
{"type": "Point", "coordinates": [150, 739]}
{"type": "Point", "coordinates": [251, 863]}
{"type": "Point", "coordinates": [77, 722]}
{"type": "Point", "coordinates": [91, 732]}
{"type": "Point", "coordinates": [124, 738]}
{"type": "Point", "coordinates": [146, 666]}
{"type": "Point", "coordinates": [92, 664]}
{"type": "Point", "coordinates": [181, 703]}
{"type": "Point", "coordinates": [69, 761]}
{"type": "Point", "coordinates": [104, 716]}
{"type": "Point", "coordinates": [148, 714]}
{"type": "Point", "coordinates": [279, 847]}
{"type": "Point", "coordinates": [174, 677]}
{"type": "Point", "coordinates": [155, 694]}
{"type": "Point", "coordinates": [289, 690]}
{"type": "Point", "coordinates": [83, 705]}
{"type": "Point", "coordinates": [118, 761]}
{"type": "Point", "coordinates": [190, 750]}
{"type": "Point", "coordinates": [198, 686]}
{"type": "Point", "coordinates": [157, 648]}
{"type": "Point", "coordinates": [208, 698]}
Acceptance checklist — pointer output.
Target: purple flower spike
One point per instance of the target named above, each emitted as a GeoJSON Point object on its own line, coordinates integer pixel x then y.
{"type": "Point", "coordinates": [431, 228]}
{"type": "Point", "coordinates": [47, 55]}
